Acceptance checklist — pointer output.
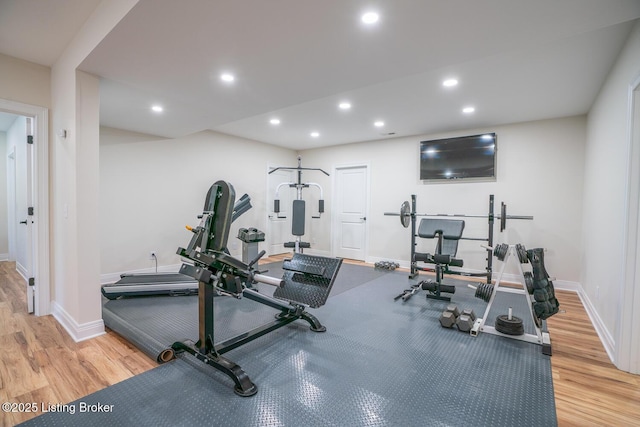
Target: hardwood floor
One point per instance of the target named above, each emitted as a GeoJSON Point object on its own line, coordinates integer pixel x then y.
{"type": "Point", "coordinates": [39, 362]}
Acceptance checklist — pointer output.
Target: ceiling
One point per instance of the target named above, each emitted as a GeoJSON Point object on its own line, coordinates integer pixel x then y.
{"type": "Point", "coordinates": [515, 60]}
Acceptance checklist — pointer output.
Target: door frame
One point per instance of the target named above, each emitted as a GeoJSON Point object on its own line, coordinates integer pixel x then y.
{"type": "Point", "coordinates": [627, 340]}
{"type": "Point", "coordinates": [40, 182]}
{"type": "Point", "coordinates": [334, 200]}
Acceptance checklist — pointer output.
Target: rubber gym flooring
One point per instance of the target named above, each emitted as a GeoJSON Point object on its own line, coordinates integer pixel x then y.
{"type": "Point", "coordinates": [380, 363]}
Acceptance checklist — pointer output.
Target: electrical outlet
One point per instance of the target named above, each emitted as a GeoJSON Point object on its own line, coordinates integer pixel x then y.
{"type": "Point", "coordinates": [152, 255]}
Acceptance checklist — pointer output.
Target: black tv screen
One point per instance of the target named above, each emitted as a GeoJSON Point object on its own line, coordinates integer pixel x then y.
{"type": "Point", "coordinates": [459, 158]}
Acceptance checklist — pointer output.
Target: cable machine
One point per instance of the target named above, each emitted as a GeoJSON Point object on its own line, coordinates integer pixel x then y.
{"type": "Point", "coordinates": [298, 210]}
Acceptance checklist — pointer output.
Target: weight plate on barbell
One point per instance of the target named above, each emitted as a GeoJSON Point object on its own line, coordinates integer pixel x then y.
{"type": "Point", "coordinates": [508, 326]}
{"type": "Point", "coordinates": [484, 291]}
{"type": "Point", "coordinates": [405, 214]}
{"type": "Point", "coordinates": [500, 251]}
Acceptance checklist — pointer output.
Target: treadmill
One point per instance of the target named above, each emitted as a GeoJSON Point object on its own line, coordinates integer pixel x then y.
{"type": "Point", "coordinates": [173, 284]}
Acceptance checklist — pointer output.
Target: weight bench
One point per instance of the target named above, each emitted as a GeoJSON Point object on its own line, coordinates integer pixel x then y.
{"type": "Point", "coordinates": [448, 232]}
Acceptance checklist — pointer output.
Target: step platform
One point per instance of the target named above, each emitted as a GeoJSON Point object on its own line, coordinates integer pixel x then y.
{"type": "Point", "coordinates": [308, 279]}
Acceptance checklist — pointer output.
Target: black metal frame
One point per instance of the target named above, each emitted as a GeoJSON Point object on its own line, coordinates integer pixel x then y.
{"type": "Point", "coordinates": [218, 273]}
{"type": "Point", "coordinates": [298, 245]}
{"type": "Point", "coordinates": [415, 269]}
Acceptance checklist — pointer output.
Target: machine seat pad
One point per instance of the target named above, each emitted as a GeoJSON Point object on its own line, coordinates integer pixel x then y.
{"type": "Point", "coordinates": [451, 228]}
{"type": "Point", "coordinates": [304, 245]}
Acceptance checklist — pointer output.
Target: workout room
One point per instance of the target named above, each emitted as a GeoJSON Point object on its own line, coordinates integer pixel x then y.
{"type": "Point", "coordinates": [355, 213]}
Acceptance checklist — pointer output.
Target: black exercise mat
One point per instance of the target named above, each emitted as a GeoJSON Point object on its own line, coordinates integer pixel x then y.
{"type": "Point", "coordinates": [380, 363]}
{"type": "Point", "coordinates": [154, 323]}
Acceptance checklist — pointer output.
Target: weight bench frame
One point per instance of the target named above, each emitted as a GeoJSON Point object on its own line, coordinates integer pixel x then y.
{"type": "Point", "coordinates": [447, 232]}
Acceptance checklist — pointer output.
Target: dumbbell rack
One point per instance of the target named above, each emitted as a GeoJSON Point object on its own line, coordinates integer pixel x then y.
{"type": "Point", "coordinates": [541, 337]}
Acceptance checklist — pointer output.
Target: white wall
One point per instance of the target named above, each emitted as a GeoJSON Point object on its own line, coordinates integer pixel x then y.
{"type": "Point", "coordinates": [74, 175]}
{"type": "Point", "coordinates": [540, 170]}
{"type": "Point", "coordinates": [25, 81]}
{"type": "Point", "coordinates": [605, 179]}
{"type": "Point", "coordinates": [151, 187]}
{"type": "Point", "coordinates": [4, 219]}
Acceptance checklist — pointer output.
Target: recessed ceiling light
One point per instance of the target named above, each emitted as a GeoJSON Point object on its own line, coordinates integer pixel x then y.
{"type": "Point", "coordinates": [344, 105]}
{"type": "Point", "coordinates": [370, 18]}
{"type": "Point", "coordinates": [315, 134]}
{"type": "Point", "coordinates": [450, 83]}
{"type": "Point", "coordinates": [468, 110]}
{"type": "Point", "coordinates": [226, 77]}
{"type": "Point", "coordinates": [157, 108]}
{"type": "Point", "coordinates": [274, 121]}
{"type": "Point", "coordinates": [378, 124]}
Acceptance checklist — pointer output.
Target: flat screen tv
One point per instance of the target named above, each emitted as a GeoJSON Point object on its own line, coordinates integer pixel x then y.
{"type": "Point", "coordinates": [465, 157]}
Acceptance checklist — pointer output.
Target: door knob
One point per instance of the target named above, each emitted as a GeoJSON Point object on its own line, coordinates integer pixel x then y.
{"type": "Point", "coordinates": [364, 218]}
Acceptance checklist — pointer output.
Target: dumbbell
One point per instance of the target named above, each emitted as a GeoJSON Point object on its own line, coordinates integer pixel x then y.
{"type": "Point", "coordinates": [449, 317]}
{"type": "Point", "coordinates": [465, 320]}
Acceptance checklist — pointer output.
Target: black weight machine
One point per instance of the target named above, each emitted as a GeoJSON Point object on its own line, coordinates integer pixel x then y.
{"type": "Point", "coordinates": [307, 281]}
{"type": "Point", "coordinates": [298, 207]}
{"type": "Point", "coordinates": [448, 232]}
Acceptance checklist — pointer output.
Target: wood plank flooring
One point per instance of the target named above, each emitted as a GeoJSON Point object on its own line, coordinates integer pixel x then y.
{"type": "Point", "coordinates": [39, 362]}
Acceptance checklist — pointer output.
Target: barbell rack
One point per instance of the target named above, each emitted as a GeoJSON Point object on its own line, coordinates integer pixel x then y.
{"type": "Point", "coordinates": [408, 217]}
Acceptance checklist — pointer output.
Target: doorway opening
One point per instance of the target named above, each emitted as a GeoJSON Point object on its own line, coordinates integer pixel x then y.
{"type": "Point", "coordinates": [26, 228]}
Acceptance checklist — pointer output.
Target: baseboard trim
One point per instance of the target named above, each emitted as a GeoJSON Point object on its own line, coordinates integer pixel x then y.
{"type": "Point", "coordinates": [78, 332]}
{"type": "Point", "coordinates": [4, 257]}
{"type": "Point", "coordinates": [603, 333]}
{"type": "Point", "coordinates": [316, 252]}
{"type": "Point", "coordinates": [21, 270]}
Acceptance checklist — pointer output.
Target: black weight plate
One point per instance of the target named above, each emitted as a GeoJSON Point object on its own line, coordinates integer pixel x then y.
{"type": "Point", "coordinates": [535, 316]}
{"type": "Point", "coordinates": [484, 291]}
{"type": "Point", "coordinates": [508, 326]}
{"type": "Point", "coordinates": [522, 254]}
{"type": "Point", "coordinates": [500, 251]}
{"type": "Point", "coordinates": [405, 214]}
{"type": "Point", "coordinates": [528, 280]}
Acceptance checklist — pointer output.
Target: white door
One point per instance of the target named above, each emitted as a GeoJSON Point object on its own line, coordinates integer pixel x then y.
{"type": "Point", "coordinates": [29, 217]}
{"type": "Point", "coordinates": [350, 222]}
{"type": "Point", "coordinates": [11, 202]}
{"type": "Point", "coordinates": [21, 201]}
{"type": "Point", "coordinates": [279, 223]}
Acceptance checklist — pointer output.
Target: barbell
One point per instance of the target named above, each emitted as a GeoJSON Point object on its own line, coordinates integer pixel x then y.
{"type": "Point", "coordinates": [405, 215]}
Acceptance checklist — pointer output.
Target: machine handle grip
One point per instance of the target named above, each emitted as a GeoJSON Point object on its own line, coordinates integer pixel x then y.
{"type": "Point", "coordinates": [260, 255]}
{"type": "Point", "coordinates": [268, 280]}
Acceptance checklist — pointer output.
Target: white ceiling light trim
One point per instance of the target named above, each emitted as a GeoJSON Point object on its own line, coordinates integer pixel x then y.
{"type": "Point", "coordinates": [227, 77]}
{"type": "Point", "coordinates": [370, 18]}
{"type": "Point", "coordinates": [469, 110]}
{"type": "Point", "coordinates": [450, 83]}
